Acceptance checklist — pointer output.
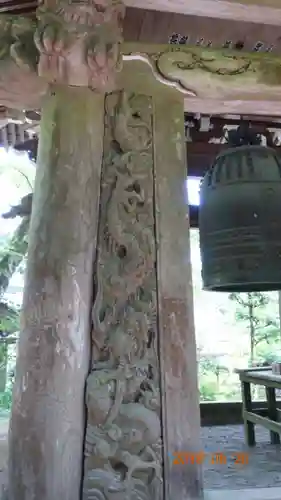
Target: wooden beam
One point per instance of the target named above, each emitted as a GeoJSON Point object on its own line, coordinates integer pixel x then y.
{"type": "Point", "coordinates": [254, 11]}
{"type": "Point", "coordinates": [265, 422]}
{"type": "Point", "coordinates": [258, 123]}
{"type": "Point", "coordinates": [176, 321]}
{"type": "Point", "coordinates": [265, 106]}
{"type": "Point", "coordinates": [201, 155]}
{"type": "Point", "coordinates": [256, 3]}
{"type": "Point", "coordinates": [206, 75]}
{"type": "Point", "coordinates": [148, 26]}
{"type": "Point", "coordinates": [216, 9]}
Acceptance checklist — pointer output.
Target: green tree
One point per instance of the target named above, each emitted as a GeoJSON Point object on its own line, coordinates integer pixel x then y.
{"type": "Point", "coordinates": [212, 363]}
{"type": "Point", "coordinates": [251, 310]}
{"type": "Point", "coordinates": [17, 177]}
{"type": "Point", "coordinates": [11, 257]}
{"type": "Point", "coordinates": [208, 390]}
{"type": "Point", "coordinates": [20, 173]}
{"type": "Point", "coordinates": [12, 254]}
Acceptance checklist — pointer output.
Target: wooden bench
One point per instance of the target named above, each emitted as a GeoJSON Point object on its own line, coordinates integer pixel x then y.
{"type": "Point", "coordinates": [260, 376]}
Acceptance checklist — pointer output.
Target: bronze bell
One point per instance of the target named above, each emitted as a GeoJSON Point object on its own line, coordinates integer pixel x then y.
{"type": "Point", "coordinates": [240, 221]}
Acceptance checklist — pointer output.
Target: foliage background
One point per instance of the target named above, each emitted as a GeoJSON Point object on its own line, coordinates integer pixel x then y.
{"type": "Point", "coordinates": [17, 176]}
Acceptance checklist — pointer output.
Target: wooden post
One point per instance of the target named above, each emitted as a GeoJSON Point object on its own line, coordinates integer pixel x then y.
{"type": "Point", "coordinates": [141, 393]}
{"type": "Point", "coordinates": [139, 362]}
{"type": "Point", "coordinates": [79, 55]}
{"type": "Point", "coordinates": [180, 397]}
{"type": "Point", "coordinates": [47, 422]}
{"type": "Point", "coordinates": [249, 427]}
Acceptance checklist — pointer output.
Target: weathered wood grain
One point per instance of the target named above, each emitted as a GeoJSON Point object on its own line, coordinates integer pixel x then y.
{"type": "Point", "coordinates": [177, 341]}
{"type": "Point", "coordinates": [47, 422]}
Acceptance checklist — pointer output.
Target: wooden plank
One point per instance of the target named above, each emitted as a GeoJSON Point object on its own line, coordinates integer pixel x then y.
{"type": "Point", "coordinates": [258, 123]}
{"type": "Point", "coordinates": [177, 346]}
{"type": "Point", "coordinates": [249, 428]}
{"type": "Point", "coordinates": [222, 75]}
{"type": "Point", "coordinates": [253, 369]}
{"type": "Point", "coordinates": [272, 412]}
{"type": "Point", "coordinates": [259, 381]}
{"type": "Point", "coordinates": [133, 24]}
{"type": "Point", "coordinates": [201, 155]}
{"type": "Point", "coordinates": [264, 421]}
{"type": "Point", "coordinates": [177, 341]}
{"type": "Point", "coordinates": [215, 9]}
{"type": "Point", "coordinates": [158, 27]}
{"type": "Point", "coordinates": [245, 105]}
{"type": "Point", "coordinates": [261, 378]}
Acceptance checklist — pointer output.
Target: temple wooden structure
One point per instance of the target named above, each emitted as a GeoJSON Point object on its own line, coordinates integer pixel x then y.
{"type": "Point", "coordinates": [106, 380]}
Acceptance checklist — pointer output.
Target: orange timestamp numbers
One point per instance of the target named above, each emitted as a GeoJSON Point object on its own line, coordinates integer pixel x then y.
{"type": "Point", "coordinates": [220, 458]}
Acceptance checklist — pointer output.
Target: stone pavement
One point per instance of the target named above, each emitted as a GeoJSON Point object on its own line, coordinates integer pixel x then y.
{"type": "Point", "coordinates": [262, 471]}
{"type": "Point", "coordinates": [249, 494]}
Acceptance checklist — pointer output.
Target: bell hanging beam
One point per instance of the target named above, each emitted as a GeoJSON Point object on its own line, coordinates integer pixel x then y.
{"type": "Point", "coordinates": [239, 219]}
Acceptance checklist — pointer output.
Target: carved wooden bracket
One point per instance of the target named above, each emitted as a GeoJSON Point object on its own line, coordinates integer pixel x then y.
{"type": "Point", "coordinates": [69, 42]}
{"type": "Point", "coordinates": [79, 42]}
{"type": "Point", "coordinates": [203, 72]}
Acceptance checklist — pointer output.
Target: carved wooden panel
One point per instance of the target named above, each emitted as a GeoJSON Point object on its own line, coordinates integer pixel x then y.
{"type": "Point", "coordinates": [179, 392]}
{"type": "Point", "coordinates": [123, 437]}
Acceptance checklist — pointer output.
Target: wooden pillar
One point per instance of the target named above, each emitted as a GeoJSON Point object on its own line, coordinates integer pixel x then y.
{"type": "Point", "coordinates": [180, 395]}
{"type": "Point", "coordinates": [108, 294]}
{"type": "Point", "coordinates": [141, 393]}
{"type": "Point", "coordinates": [47, 422]}
{"type": "Point", "coordinates": [47, 427]}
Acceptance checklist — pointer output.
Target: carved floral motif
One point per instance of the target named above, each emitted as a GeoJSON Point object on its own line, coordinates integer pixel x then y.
{"type": "Point", "coordinates": [123, 435]}
{"type": "Point", "coordinates": [79, 42]}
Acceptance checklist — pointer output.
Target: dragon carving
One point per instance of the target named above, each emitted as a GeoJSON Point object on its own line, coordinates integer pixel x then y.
{"type": "Point", "coordinates": [123, 434]}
